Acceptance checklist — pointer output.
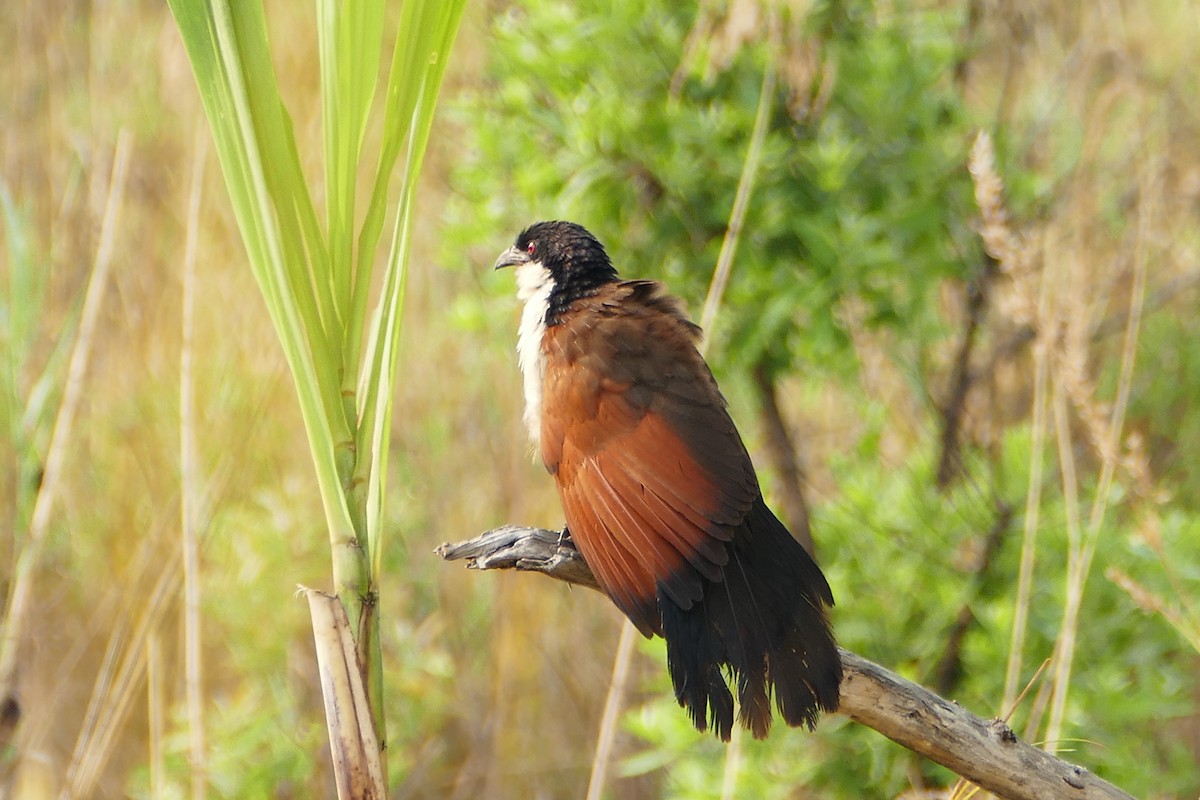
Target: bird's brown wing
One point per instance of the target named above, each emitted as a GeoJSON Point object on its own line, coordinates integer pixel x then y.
{"type": "Point", "coordinates": [653, 476]}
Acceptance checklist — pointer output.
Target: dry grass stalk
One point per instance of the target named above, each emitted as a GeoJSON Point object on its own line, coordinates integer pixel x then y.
{"type": "Point", "coordinates": [140, 607]}
{"type": "Point", "coordinates": [1063, 388]}
{"type": "Point", "coordinates": [1024, 304]}
{"type": "Point", "coordinates": [1011, 252]}
{"type": "Point", "coordinates": [122, 672]}
{"type": "Point", "coordinates": [1182, 619]}
{"type": "Point", "coordinates": [733, 764]}
{"type": "Point", "coordinates": [191, 491]}
{"type": "Point", "coordinates": [745, 187]}
{"type": "Point", "coordinates": [21, 597]}
{"type": "Point", "coordinates": [1071, 290]}
{"type": "Point", "coordinates": [1103, 426]}
{"type": "Point", "coordinates": [154, 711]}
{"type": "Point", "coordinates": [610, 720]}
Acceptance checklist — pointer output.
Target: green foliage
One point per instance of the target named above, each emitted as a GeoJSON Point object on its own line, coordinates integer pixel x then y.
{"type": "Point", "coordinates": [861, 195]}
{"type": "Point", "coordinates": [907, 558]}
{"type": "Point", "coordinates": [24, 285]}
{"type": "Point", "coordinates": [19, 302]}
{"type": "Point", "coordinates": [599, 112]}
{"type": "Point", "coordinates": [902, 559]}
{"type": "Point", "coordinates": [1160, 402]}
{"type": "Point", "coordinates": [261, 755]}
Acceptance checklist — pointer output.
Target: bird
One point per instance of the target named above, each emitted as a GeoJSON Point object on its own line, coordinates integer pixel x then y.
{"type": "Point", "coordinates": [659, 492]}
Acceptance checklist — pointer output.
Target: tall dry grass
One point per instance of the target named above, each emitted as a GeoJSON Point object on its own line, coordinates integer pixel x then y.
{"type": "Point", "coordinates": [1088, 102]}
{"type": "Point", "coordinates": [110, 587]}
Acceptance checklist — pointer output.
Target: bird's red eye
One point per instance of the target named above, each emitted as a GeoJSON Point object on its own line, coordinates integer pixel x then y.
{"type": "Point", "coordinates": [531, 248]}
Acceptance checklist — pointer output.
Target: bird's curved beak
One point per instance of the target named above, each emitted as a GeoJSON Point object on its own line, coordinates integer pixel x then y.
{"type": "Point", "coordinates": [511, 258]}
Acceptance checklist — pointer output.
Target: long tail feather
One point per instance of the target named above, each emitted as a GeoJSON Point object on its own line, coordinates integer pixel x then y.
{"type": "Point", "coordinates": [766, 624]}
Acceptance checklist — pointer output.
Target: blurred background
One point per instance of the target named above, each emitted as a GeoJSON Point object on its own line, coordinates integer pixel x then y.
{"type": "Point", "coordinates": [974, 376]}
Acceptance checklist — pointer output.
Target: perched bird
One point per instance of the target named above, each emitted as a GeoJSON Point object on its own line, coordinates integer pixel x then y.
{"type": "Point", "coordinates": [658, 491]}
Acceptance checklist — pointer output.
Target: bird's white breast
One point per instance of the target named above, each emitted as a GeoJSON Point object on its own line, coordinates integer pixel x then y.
{"type": "Point", "coordinates": [534, 285]}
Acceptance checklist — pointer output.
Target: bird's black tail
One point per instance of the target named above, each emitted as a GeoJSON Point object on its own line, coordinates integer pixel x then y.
{"type": "Point", "coordinates": [766, 623]}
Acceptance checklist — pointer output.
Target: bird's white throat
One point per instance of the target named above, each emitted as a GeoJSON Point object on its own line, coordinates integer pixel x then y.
{"type": "Point", "coordinates": [534, 285]}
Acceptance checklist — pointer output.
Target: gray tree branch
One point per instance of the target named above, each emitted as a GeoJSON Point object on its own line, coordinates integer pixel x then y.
{"type": "Point", "coordinates": [985, 752]}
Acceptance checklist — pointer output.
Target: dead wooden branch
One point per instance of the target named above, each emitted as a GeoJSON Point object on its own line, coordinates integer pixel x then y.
{"type": "Point", "coordinates": [985, 752]}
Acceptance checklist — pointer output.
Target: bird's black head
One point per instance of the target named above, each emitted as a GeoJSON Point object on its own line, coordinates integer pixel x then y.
{"type": "Point", "coordinates": [561, 257]}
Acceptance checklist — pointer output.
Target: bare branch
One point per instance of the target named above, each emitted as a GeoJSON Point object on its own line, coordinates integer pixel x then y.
{"type": "Point", "coordinates": [533, 549]}
{"type": "Point", "coordinates": [986, 752]}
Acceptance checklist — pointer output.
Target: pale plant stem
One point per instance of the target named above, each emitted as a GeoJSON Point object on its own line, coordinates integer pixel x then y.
{"type": "Point", "coordinates": [612, 711]}
{"type": "Point", "coordinates": [100, 704]}
{"type": "Point", "coordinates": [1065, 644]}
{"type": "Point", "coordinates": [190, 491]}
{"type": "Point", "coordinates": [159, 578]}
{"type": "Point", "coordinates": [1133, 325]}
{"type": "Point", "coordinates": [117, 686]}
{"type": "Point", "coordinates": [733, 765]}
{"type": "Point", "coordinates": [1038, 703]}
{"type": "Point", "coordinates": [712, 303]}
{"type": "Point", "coordinates": [21, 598]}
{"type": "Point", "coordinates": [741, 199]}
{"type": "Point", "coordinates": [1033, 496]}
{"type": "Point", "coordinates": [154, 703]}
{"type": "Point", "coordinates": [1084, 549]}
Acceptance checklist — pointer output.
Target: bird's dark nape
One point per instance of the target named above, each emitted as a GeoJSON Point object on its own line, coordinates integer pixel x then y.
{"type": "Point", "coordinates": [766, 623]}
